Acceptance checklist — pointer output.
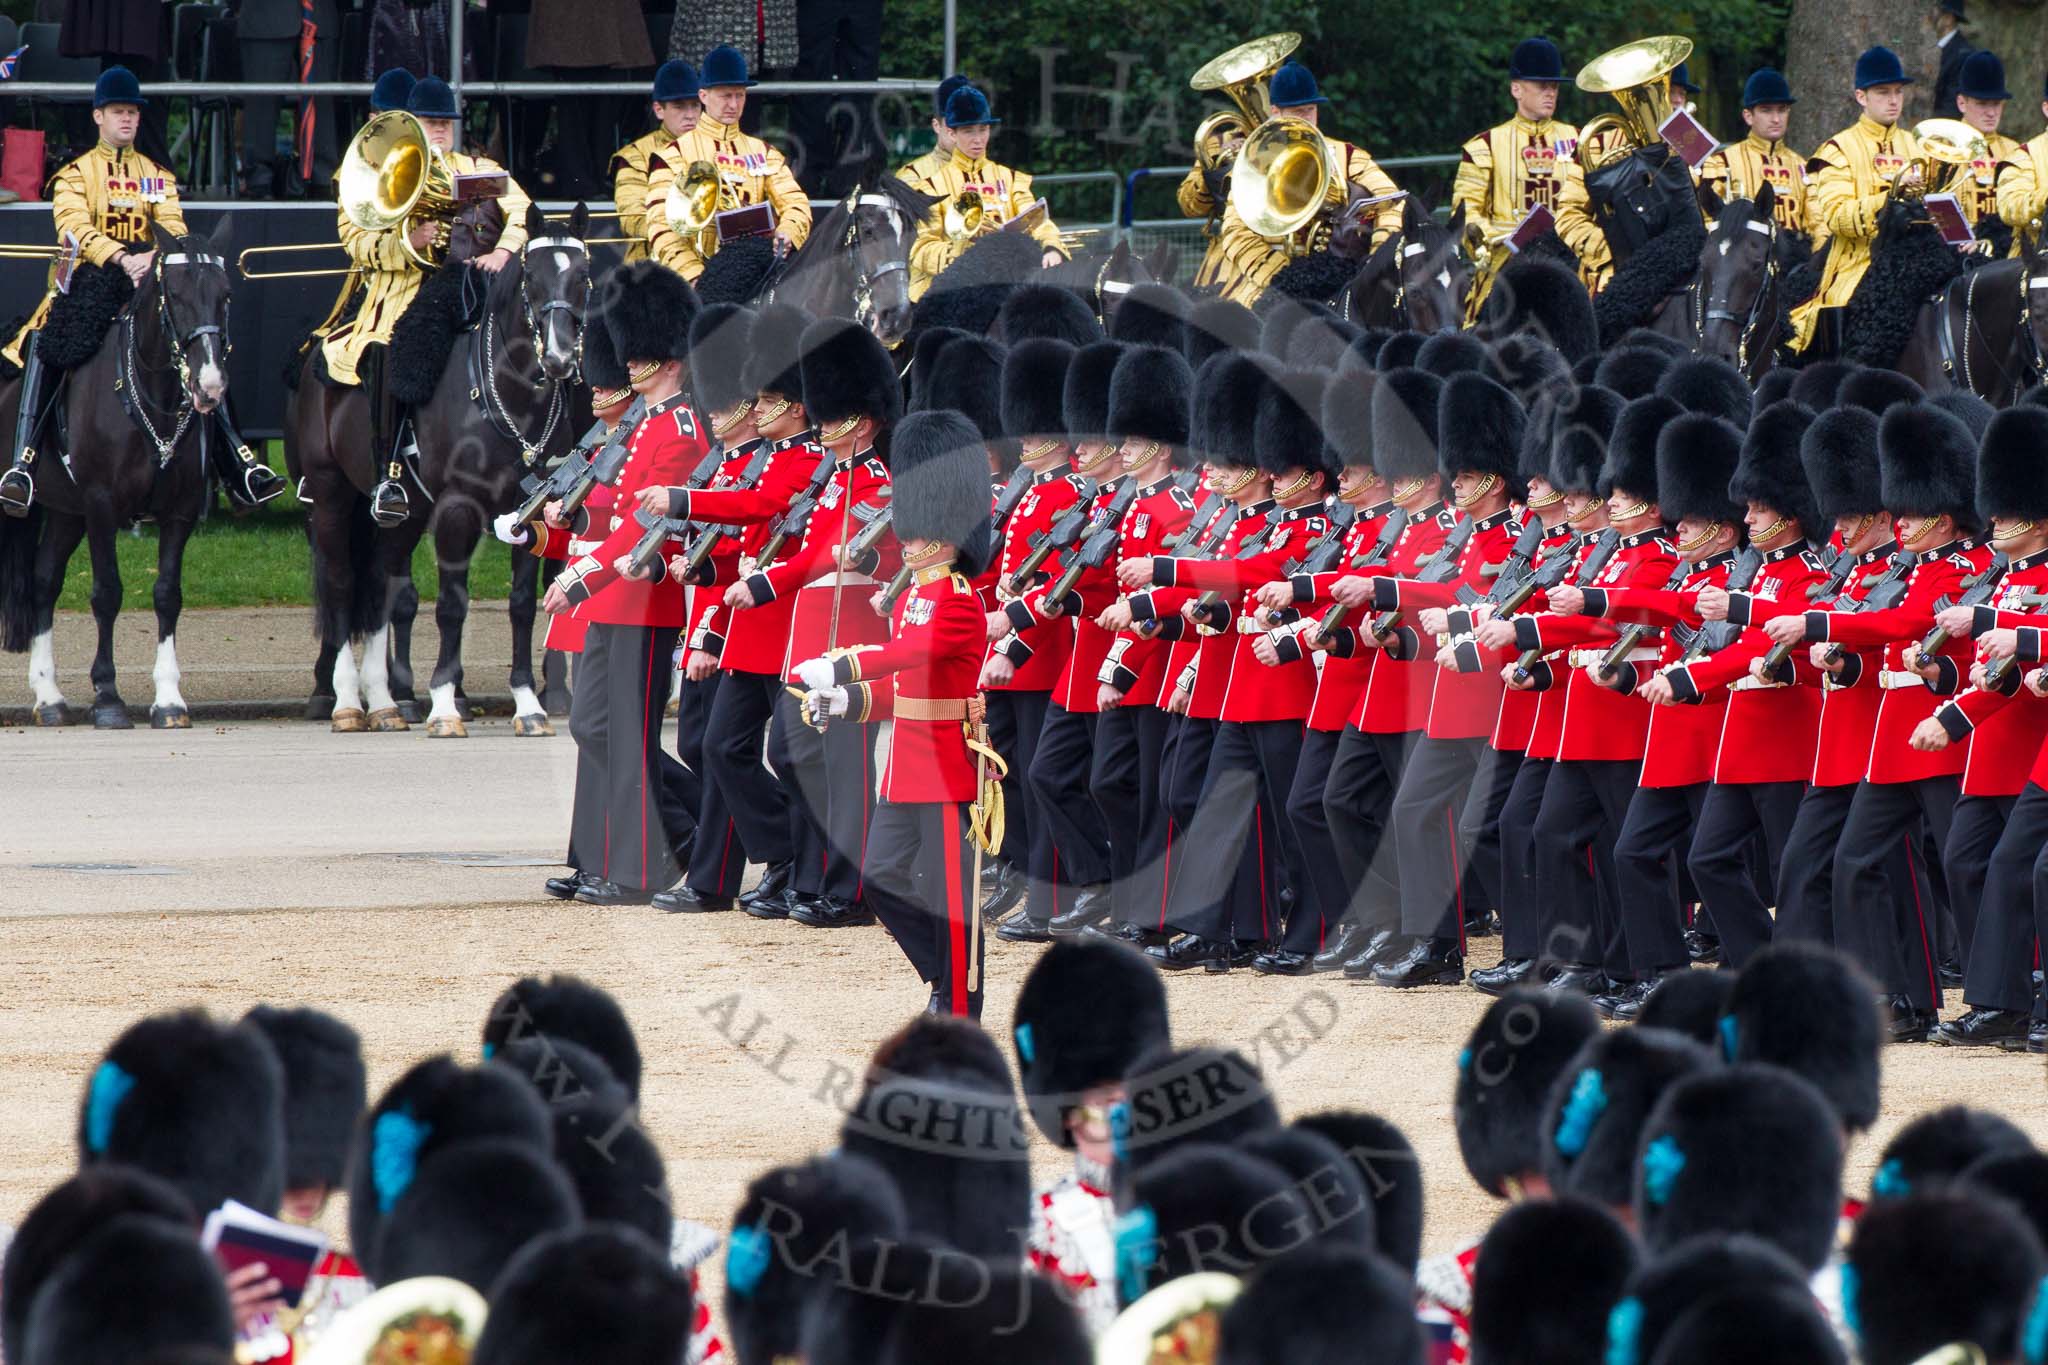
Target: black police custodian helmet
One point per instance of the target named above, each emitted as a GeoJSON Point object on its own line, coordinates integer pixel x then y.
{"type": "Point", "coordinates": [1087, 1010]}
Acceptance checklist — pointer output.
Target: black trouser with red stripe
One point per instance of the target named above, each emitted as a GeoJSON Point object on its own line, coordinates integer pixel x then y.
{"type": "Point", "coordinates": [1223, 884]}
{"type": "Point", "coordinates": [831, 780]}
{"type": "Point", "coordinates": [719, 857]}
{"type": "Point", "coordinates": [921, 885]}
{"type": "Point", "coordinates": [1059, 780]}
{"type": "Point", "coordinates": [1358, 807]}
{"type": "Point", "coordinates": [1014, 722]}
{"type": "Point", "coordinates": [2000, 966]}
{"type": "Point", "coordinates": [1584, 802]}
{"type": "Point", "coordinates": [1430, 843]}
{"type": "Point", "coordinates": [1522, 917]}
{"type": "Point", "coordinates": [1966, 859]}
{"type": "Point", "coordinates": [750, 806]}
{"type": "Point", "coordinates": [1648, 857]}
{"type": "Point", "coordinates": [631, 811]}
{"type": "Point", "coordinates": [1892, 935]}
{"type": "Point", "coordinates": [1485, 890]}
{"type": "Point", "coordinates": [1721, 858]}
{"type": "Point", "coordinates": [1125, 781]}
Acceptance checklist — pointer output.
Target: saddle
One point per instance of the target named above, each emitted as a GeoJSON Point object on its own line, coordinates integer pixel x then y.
{"type": "Point", "coordinates": [1659, 268]}
{"type": "Point", "coordinates": [449, 303]}
{"type": "Point", "coordinates": [79, 320]}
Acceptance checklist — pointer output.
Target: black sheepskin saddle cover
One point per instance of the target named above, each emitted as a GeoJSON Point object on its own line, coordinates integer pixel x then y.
{"type": "Point", "coordinates": [1663, 266]}
{"type": "Point", "coordinates": [1910, 264]}
{"type": "Point", "coordinates": [450, 301]}
{"type": "Point", "coordinates": [79, 320]}
{"type": "Point", "coordinates": [737, 273]}
{"type": "Point", "coordinates": [969, 293]}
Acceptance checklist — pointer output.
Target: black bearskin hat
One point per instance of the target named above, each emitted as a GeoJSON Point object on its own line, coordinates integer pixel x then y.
{"type": "Point", "coordinates": [1707, 384]}
{"type": "Point", "coordinates": [1326, 1177]}
{"type": "Point", "coordinates": [1812, 1011]}
{"type": "Point", "coordinates": [1631, 461]}
{"type": "Point", "coordinates": [1533, 368]}
{"type": "Point", "coordinates": [568, 1007]}
{"type": "Point", "coordinates": [1086, 1011]}
{"type": "Point", "coordinates": [1479, 429]}
{"type": "Point", "coordinates": [1544, 296]}
{"type": "Point", "coordinates": [195, 1102]}
{"type": "Point", "coordinates": [1227, 410]}
{"type": "Point", "coordinates": [1817, 385]}
{"type": "Point", "coordinates": [1927, 463]}
{"type": "Point", "coordinates": [602, 368]}
{"type": "Point", "coordinates": [617, 1171]}
{"type": "Point", "coordinates": [1150, 315]}
{"type": "Point", "coordinates": [1877, 390]}
{"type": "Point", "coordinates": [718, 357]}
{"type": "Point", "coordinates": [924, 355]}
{"type": "Point", "coordinates": [1903, 1303]}
{"type": "Point", "coordinates": [776, 1257]}
{"type": "Point", "coordinates": [1696, 457]}
{"type": "Point", "coordinates": [1046, 311]}
{"type": "Point", "coordinates": [847, 373]}
{"type": "Point", "coordinates": [1278, 319]}
{"type": "Point", "coordinates": [469, 1211]}
{"type": "Point", "coordinates": [64, 1218]}
{"type": "Point", "coordinates": [1216, 325]}
{"type": "Point", "coordinates": [1644, 338]}
{"type": "Point", "coordinates": [1839, 452]}
{"type": "Point", "coordinates": [649, 309]}
{"type": "Point", "coordinates": [325, 1090]}
{"type": "Point", "coordinates": [1178, 1097]}
{"type": "Point", "coordinates": [1972, 411]}
{"type": "Point", "coordinates": [1149, 395]}
{"type": "Point", "coordinates": [970, 293]}
{"type": "Point", "coordinates": [1085, 399]}
{"type": "Point", "coordinates": [938, 468]}
{"type": "Point", "coordinates": [968, 378]}
{"type": "Point", "coordinates": [1325, 1304]}
{"type": "Point", "coordinates": [1599, 1105]}
{"type": "Point", "coordinates": [1404, 424]}
{"type": "Point", "coordinates": [1689, 1002]}
{"type": "Point", "coordinates": [1347, 411]}
{"type": "Point", "coordinates": [1774, 384]}
{"type": "Point", "coordinates": [1320, 344]}
{"type": "Point", "coordinates": [1548, 1275]}
{"type": "Point", "coordinates": [2019, 1178]}
{"type": "Point", "coordinates": [1288, 433]}
{"type": "Point", "coordinates": [1771, 472]}
{"type": "Point", "coordinates": [1671, 1284]}
{"type": "Point", "coordinates": [1580, 434]}
{"type": "Point", "coordinates": [1937, 1147]}
{"type": "Point", "coordinates": [2011, 479]}
{"type": "Point", "coordinates": [1516, 1052]}
{"type": "Point", "coordinates": [1189, 1196]}
{"type": "Point", "coordinates": [137, 1286]}
{"type": "Point", "coordinates": [1445, 354]}
{"type": "Point", "coordinates": [1399, 351]}
{"type": "Point", "coordinates": [1034, 388]}
{"type": "Point", "coordinates": [558, 1069]}
{"type": "Point", "coordinates": [776, 344]}
{"type": "Point", "coordinates": [436, 1105]}
{"type": "Point", "coordinates": [1633, 371]}
{"type": "Point", "coordinates": [598, 1293]}
{"type": "Point", "coordinates": [1742, 1148]}
{"type": "Point", "coordinates": [969, 1184]}
{"type": "Point", "coordinates": [1774, 1326]}
{"type": "Point", "coordinates": [1585, 368]}
{"type": "Point", "coordinates": [1006, 1315]}
{"type": "Point", "coordinates": [1392, 1174]}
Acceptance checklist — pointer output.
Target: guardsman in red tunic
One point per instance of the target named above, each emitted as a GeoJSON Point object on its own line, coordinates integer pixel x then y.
{"type": "Point", "coordinates": [1770, 725]}
{"type": "Point", "coordinates": [622, 827]}
{"type": "Point", "coordinates": [1926, 463]}
{"type": "Point", "coordinates": [923, 855]}
{"type": "Point", "coordinates": [2006, 727]}
{"type": "Point", "coordinates": [1696, 460]}
{"type": "Point", "coordinates": [1022, 668]}
{"type": "Point", "coordinates": [1395, 418]}
{"type": "Point", "coordinates": [735, 646]}
{"type": "Point", "coordinates": [1479, 426]}
{"type": "Point", "coordinates": [1257, 742]}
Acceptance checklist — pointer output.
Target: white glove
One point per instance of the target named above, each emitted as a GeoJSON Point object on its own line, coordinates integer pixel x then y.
{"type": "Point", "coordinates": [510, 530]}
{"type": "Point", "coordinates": [816, 674]}
{"type": "Point", "coordinates": [825, 701]}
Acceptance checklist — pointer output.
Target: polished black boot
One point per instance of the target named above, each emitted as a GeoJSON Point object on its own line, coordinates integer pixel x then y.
{"type": "Point", "coordinates": [248, 480]}
{"type": "Point", "coordinates": [390, 435]}
{"type": "Point", "coordinates": [1906, 1024]}
{"type": "Point", "coordinates": [1190, 951]}
{"type": "Point", "coordinates": [18, 484]}
{"type": "Point", "coordinates": [1344, 945]}
{"type": "Point", "coordinates": [564, 888]}
{"type": "Point", "coordinates": [1091, 907]}
{"type": "Point", "coordinates": [1019, 927]}
{"type": "Point", "coordinates": [770, 897]}
{"type": "Point", "coordinates": [1505, 975]}
{"type": "Point", "coordinates": [1430, 962]}
{"type": "Point", "coordinates": [1579, 978]}
{"type": "Point", "coordinates": [1984, 1028]}
{"type": "Point", "coordinates": [1381, 945]}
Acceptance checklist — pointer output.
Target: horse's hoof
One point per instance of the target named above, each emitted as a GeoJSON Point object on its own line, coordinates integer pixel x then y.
{"type": "Point", "coordinates": [319, 707]}
{"type": "Point", "coordinates": [387, 720]}
{"type": "Point", "coordinates": [447, 727]}
{"type": "Point", "coordinates": [347, 720]}
{"type": "Point", "coordinates": [53, 714]}
{"type": "Point", "coordinates": [413, 712]}
{"type": "Point", "coordinates": [534, 725]}
{"type": "Point", "coordinates": [463, 708]}
{"type": "Point", "coordinates": [111, 715]}
{"type": "Point", "coordinates": [555, 701]}
{"type": "Point", "coordinates": [169, 718]}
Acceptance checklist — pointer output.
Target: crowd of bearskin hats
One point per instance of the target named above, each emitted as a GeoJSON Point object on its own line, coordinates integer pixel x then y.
{"type": "Point", "coordinates": [1672, 1192]}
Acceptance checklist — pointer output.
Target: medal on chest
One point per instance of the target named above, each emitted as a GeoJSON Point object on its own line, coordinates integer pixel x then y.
{"type": "Point", "coordinates": [830, 497]}
{"type": "Point", "coordinates": [918, 611]}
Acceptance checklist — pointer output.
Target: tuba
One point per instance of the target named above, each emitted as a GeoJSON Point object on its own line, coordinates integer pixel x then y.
{"type": "Point", "coordinates": [1948, 147]}
{"type": "Point", "coordinates": [1240, 75]}
{"type": "Point", "coordinates": [1638, 75]}
{"type": "Point", "coordinates": [392, 176]}
{"type": "Point", "coordinates": [1284, 181]}
{"type": "Point", "coordinates": [695, 199]}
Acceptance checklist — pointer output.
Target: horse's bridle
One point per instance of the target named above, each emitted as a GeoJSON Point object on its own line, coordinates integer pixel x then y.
{"type": "Point", "coordinates": [864, 280]}
{"type": "Point", "coordinates": [1709, 310]}
{"type": "Point", "coordinates": [2029, 285]}
{"type": "Point", "coordinates": [127, 379]}
{"type": "Point", "coordinates": [483, 357]}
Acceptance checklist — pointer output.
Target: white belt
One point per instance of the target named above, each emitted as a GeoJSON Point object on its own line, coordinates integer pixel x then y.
{"type": "Point", "coordinates": [850, 580]}
{"type": "Point", "coordinates": [1582, 658]}
{"type": "Point", "coordinates": [1891, 679]}
{"type": "Point", "coordinates": [1251, 625]}
{"type": "Point", "coordinates": [579, 548]}
{"type": "Point", "coordinates": [1750, 684]}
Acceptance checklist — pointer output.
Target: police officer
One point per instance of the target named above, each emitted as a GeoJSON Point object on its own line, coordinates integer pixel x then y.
{"type": "Point", "coordinates": [925, 171]}
{"type": "Point", "coordinates": [1856, 169]}
{"type": "Point", "coordinates": [1004, 193]}
{"type": "Point", "coordinates": [1530, 160]}
{"type": "Point", "coordinates": [676, 111]}
{"type": "Point", "coordinates": [1740, 169]}
{"type": "Point", "coordinates": [108, 205]}
{"type": "Point", "coordinates": [749, 171]}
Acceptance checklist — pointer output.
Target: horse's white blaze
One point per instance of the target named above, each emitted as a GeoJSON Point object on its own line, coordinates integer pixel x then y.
{"type": "Point", "coordinates": [525, 703]}
{"type": "Point", "coordinates": [1443, 278]}
{"type": "Point", "coordinates": [348, 688]}
{"type": "Point", "coordinates": [212, 382]}
{"type": "Point", "coordinates": [444, 703]}
{"type": "Point", "coordinates": [1725, 246]}
{"type": "Point", "coordinates": [42, 671]}
{"type": "Point", "coordinates": [561, 259]}
{"type": "Point", "coordinates": [377, 670]}
{"type": "Point", "coordinates": [167, 675]}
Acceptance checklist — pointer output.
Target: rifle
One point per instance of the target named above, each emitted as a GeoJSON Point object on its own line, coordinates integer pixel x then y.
{"type": "Point", "coordinates": [1625, 643]}
{"type": "Point", "coordinates": [595, 458]}
{"type": "Point", "coordinates": [710, 537]}
{"type": "Point", "coordinates": [1021, 482]}
{"type": "Point", "coordinates": [1253, 544]}
{"type": "Point", "coordinates": [792, 522]}
{"type": "Point", "coordinates": [1519, 580]}
{"type": "Point", "coordinates": [2001, 669]}
{"type": "Point", "coordinates": [1885, 594]}
{"type": "Point", "coordinates": [1101, 539]}
{"type": "Point", "coordinates": [1842, 566]}
{"type": "Point", "coordinates": [1713, 636]}
{"type": "Point", "coordinates": [662, 529]}
{"type": "Point", "coordinates": [1437, 568]}
{"type": "Point", "coordinates": [1980, 587]}
{"type": "Point", "coordinates": [1066, 528]}
{"type": "Point", "coordinates": [1373, 557]}
{"type": "Point", "coordinates": [1596, 560]}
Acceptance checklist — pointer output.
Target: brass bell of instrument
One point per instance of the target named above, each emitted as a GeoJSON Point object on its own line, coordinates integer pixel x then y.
{"type": "Point", "coordinates": [1240, 76]}
{"type": "Point", "coordinates": [1638, 75]}
{"type": "Point", "coordinates": [392, 176]}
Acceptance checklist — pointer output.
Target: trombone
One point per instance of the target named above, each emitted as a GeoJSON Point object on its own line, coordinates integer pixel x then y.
{"type": "Point", "coordinates": [242, 262]}
{"type": "Point", "coordinates": [28, 251]}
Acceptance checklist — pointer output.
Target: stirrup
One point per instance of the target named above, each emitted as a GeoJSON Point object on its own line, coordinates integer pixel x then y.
{"type": "Point", "coordinates": [17, 491]}
{"type": "Point", "coordinates": [255, 476]}
{"type": "Point", "coordinates": [389, 505]}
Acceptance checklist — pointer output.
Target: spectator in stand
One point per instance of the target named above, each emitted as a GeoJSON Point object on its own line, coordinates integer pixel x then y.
{"type": "Point", "coordinates": [837, 40]}
{"type": "Point", "coordinates": [765, 32]}
{"type": "Point", "coordinates": [276, 48]}
{"type": "Point", "coordinates": [408, 33]}
{"type": "Point", "coordinates": [131, 33]}
{"type": "Point", "coordinates": [587, 40]}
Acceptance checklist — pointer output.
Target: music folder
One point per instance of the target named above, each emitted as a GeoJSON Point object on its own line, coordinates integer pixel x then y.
{"type": "Point", "coordinates": [1534, 224]}
{"type": "Point", "coordinates": [1947, 212]}
{"type": "Point", "coordinates": [1688, 137]}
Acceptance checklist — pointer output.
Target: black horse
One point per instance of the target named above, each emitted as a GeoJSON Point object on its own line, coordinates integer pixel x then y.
{"type": "Point", "coordinates": [1893, 320]}
{"type": "Point", "coordinates": [501, 407]}
{"type": "Point", "coordinates": [1736, 307]}
{"type": "Point", "coordinates": [1418, 278]}
{"type": "Point", "coordinates": [134, 418]}
{"type": "Point", "coordinates": [856, 261]}
{"type": "Point", "coordinates": [1991, 326]}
